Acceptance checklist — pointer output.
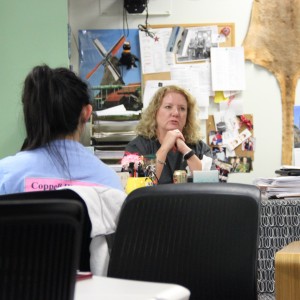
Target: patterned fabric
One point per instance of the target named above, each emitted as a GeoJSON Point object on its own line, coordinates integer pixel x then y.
{"type": "Point", "coordinates": [266, 297]}
{"type": "Point", "coordinates": [279, 226]}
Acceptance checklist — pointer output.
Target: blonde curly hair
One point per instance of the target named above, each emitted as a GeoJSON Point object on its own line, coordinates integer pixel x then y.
{"type": "Point", "coordinates": [148, 125]}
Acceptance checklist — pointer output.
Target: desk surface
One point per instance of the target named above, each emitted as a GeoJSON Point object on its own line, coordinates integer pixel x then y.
{"type": "Point", "coordinates": [107, 288]}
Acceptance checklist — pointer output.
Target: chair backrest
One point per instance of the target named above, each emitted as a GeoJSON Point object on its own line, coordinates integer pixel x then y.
{"type": "Point", "coordinates": [202, 236]}
{"type": "Point", "coordinates": [84, 262]}
{"type": "Point", "coordinates": [39, 248]}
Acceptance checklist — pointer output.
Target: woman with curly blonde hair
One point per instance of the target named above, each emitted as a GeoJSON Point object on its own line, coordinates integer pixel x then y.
{"type": "Point", "coordinates": [169, 128]}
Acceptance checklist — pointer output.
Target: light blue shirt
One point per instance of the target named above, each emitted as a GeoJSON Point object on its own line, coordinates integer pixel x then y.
{"type": "Point", "coordinates": [40, 169]}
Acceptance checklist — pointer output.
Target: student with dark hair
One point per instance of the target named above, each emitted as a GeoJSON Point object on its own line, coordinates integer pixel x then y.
{"type": "Point", "coordinates": [56, 107]}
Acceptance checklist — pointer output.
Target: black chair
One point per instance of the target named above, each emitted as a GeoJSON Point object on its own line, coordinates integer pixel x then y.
{"type": "Point", "coordinates": [202, 236]}
{"type": "Point", "coordinates": [39, 248]}
{"type": "Point", "coordinates": [84, 262]}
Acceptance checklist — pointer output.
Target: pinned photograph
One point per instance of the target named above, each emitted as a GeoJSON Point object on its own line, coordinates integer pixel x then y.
{"type": "Point", "coordinates": [219, 153]}
{"type": "Point", "coordinates": [215, 138]}
{"type": "Point", "coordinates": [248, 144]}
{"type": "Point", "coordinates": [241, 164]}
{"type": "Point", "coordinates": [196, 43]}
{"type": "Point", "coordinates": [239, 139]}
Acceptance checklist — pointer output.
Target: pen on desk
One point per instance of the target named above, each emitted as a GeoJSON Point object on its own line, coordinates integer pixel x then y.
{"type": "Point", "coordinates": [131, 169]}
{"type": "Point", "coordinates": [140, 171]}
{"type": "Point", "coordinates": [83, 275]}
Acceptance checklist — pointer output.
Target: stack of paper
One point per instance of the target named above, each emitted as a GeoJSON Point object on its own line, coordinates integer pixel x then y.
{"type": "Point", "coordinates": [111, 154]}
{"type": "Point", "coordinates": [115, 124]}
{"type": "Point", "coordinates": [279, 187]}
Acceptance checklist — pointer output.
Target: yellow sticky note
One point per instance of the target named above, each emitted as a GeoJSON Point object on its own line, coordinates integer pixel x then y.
{"type": "Point", "coordinates": [219, 97]}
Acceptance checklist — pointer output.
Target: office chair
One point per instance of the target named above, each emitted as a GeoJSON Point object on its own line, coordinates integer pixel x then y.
{"type": "Point", "coordinates": [203, 236]}
{"type": "Point", "coordinates": [84, 262]}
{"type": "Point", "coordinates": [39, 248]}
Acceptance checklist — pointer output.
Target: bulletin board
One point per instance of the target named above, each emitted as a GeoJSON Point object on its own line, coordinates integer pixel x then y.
{"type": "Point", "coordinates": [210, 126]}
{"type": "Point", "coordinates": [229, 42]}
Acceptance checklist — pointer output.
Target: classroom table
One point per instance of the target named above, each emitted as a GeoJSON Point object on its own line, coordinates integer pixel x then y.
{"type": "Point", "coordinates": [107, 288]}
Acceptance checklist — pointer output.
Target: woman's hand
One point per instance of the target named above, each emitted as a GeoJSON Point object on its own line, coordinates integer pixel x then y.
{"type": "Point", "coordinates": [170, 140]}
{"type": "Point", "coordinates": [168, 143]}
{"type": "Point", "coordinates": [193, 162]}
{"type": "Point", "coordinates": [182, 146]}
{"type": "Point", "coordinates": [174, 140]}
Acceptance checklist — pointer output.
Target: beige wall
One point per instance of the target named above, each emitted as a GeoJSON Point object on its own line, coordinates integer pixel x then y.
{"type": "Point", "coordinates": [34, 31]}
{"type": "Point", "coordinates": [261, 96]}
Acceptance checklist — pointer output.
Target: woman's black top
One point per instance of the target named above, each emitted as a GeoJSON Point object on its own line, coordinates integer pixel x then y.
{"type": "Point", "coordinates": [174, 160]}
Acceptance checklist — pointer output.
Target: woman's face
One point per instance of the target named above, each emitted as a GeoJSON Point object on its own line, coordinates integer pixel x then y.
{"type": "Point", "coordinates": [172, 113]}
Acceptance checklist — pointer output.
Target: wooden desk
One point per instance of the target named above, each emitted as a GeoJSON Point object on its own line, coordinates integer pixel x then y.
{"type": "Point", "coordinates": [287, 272]}
{"type": "Point", "coordinates": [107, 288]}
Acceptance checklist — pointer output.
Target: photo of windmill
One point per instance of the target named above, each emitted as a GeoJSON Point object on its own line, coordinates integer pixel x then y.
{"type": "Point", "coordinates": [112, 73]}
{"type": "Point", "coordinates": [109, 62]}
{"type": "Point", "coordinates": [102, 65]}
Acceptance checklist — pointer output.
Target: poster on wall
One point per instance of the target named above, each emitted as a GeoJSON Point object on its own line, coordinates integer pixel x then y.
{"type": "Point", "coordinates": [109, 60]}
{"type": "Point", "coordinates": [296, 151]}
{"type": "Point", "coordinates": [296, 126]}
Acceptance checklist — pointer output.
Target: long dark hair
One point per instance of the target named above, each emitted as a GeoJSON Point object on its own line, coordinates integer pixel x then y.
{"type": "Point", "coordinates": [52, 102]}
